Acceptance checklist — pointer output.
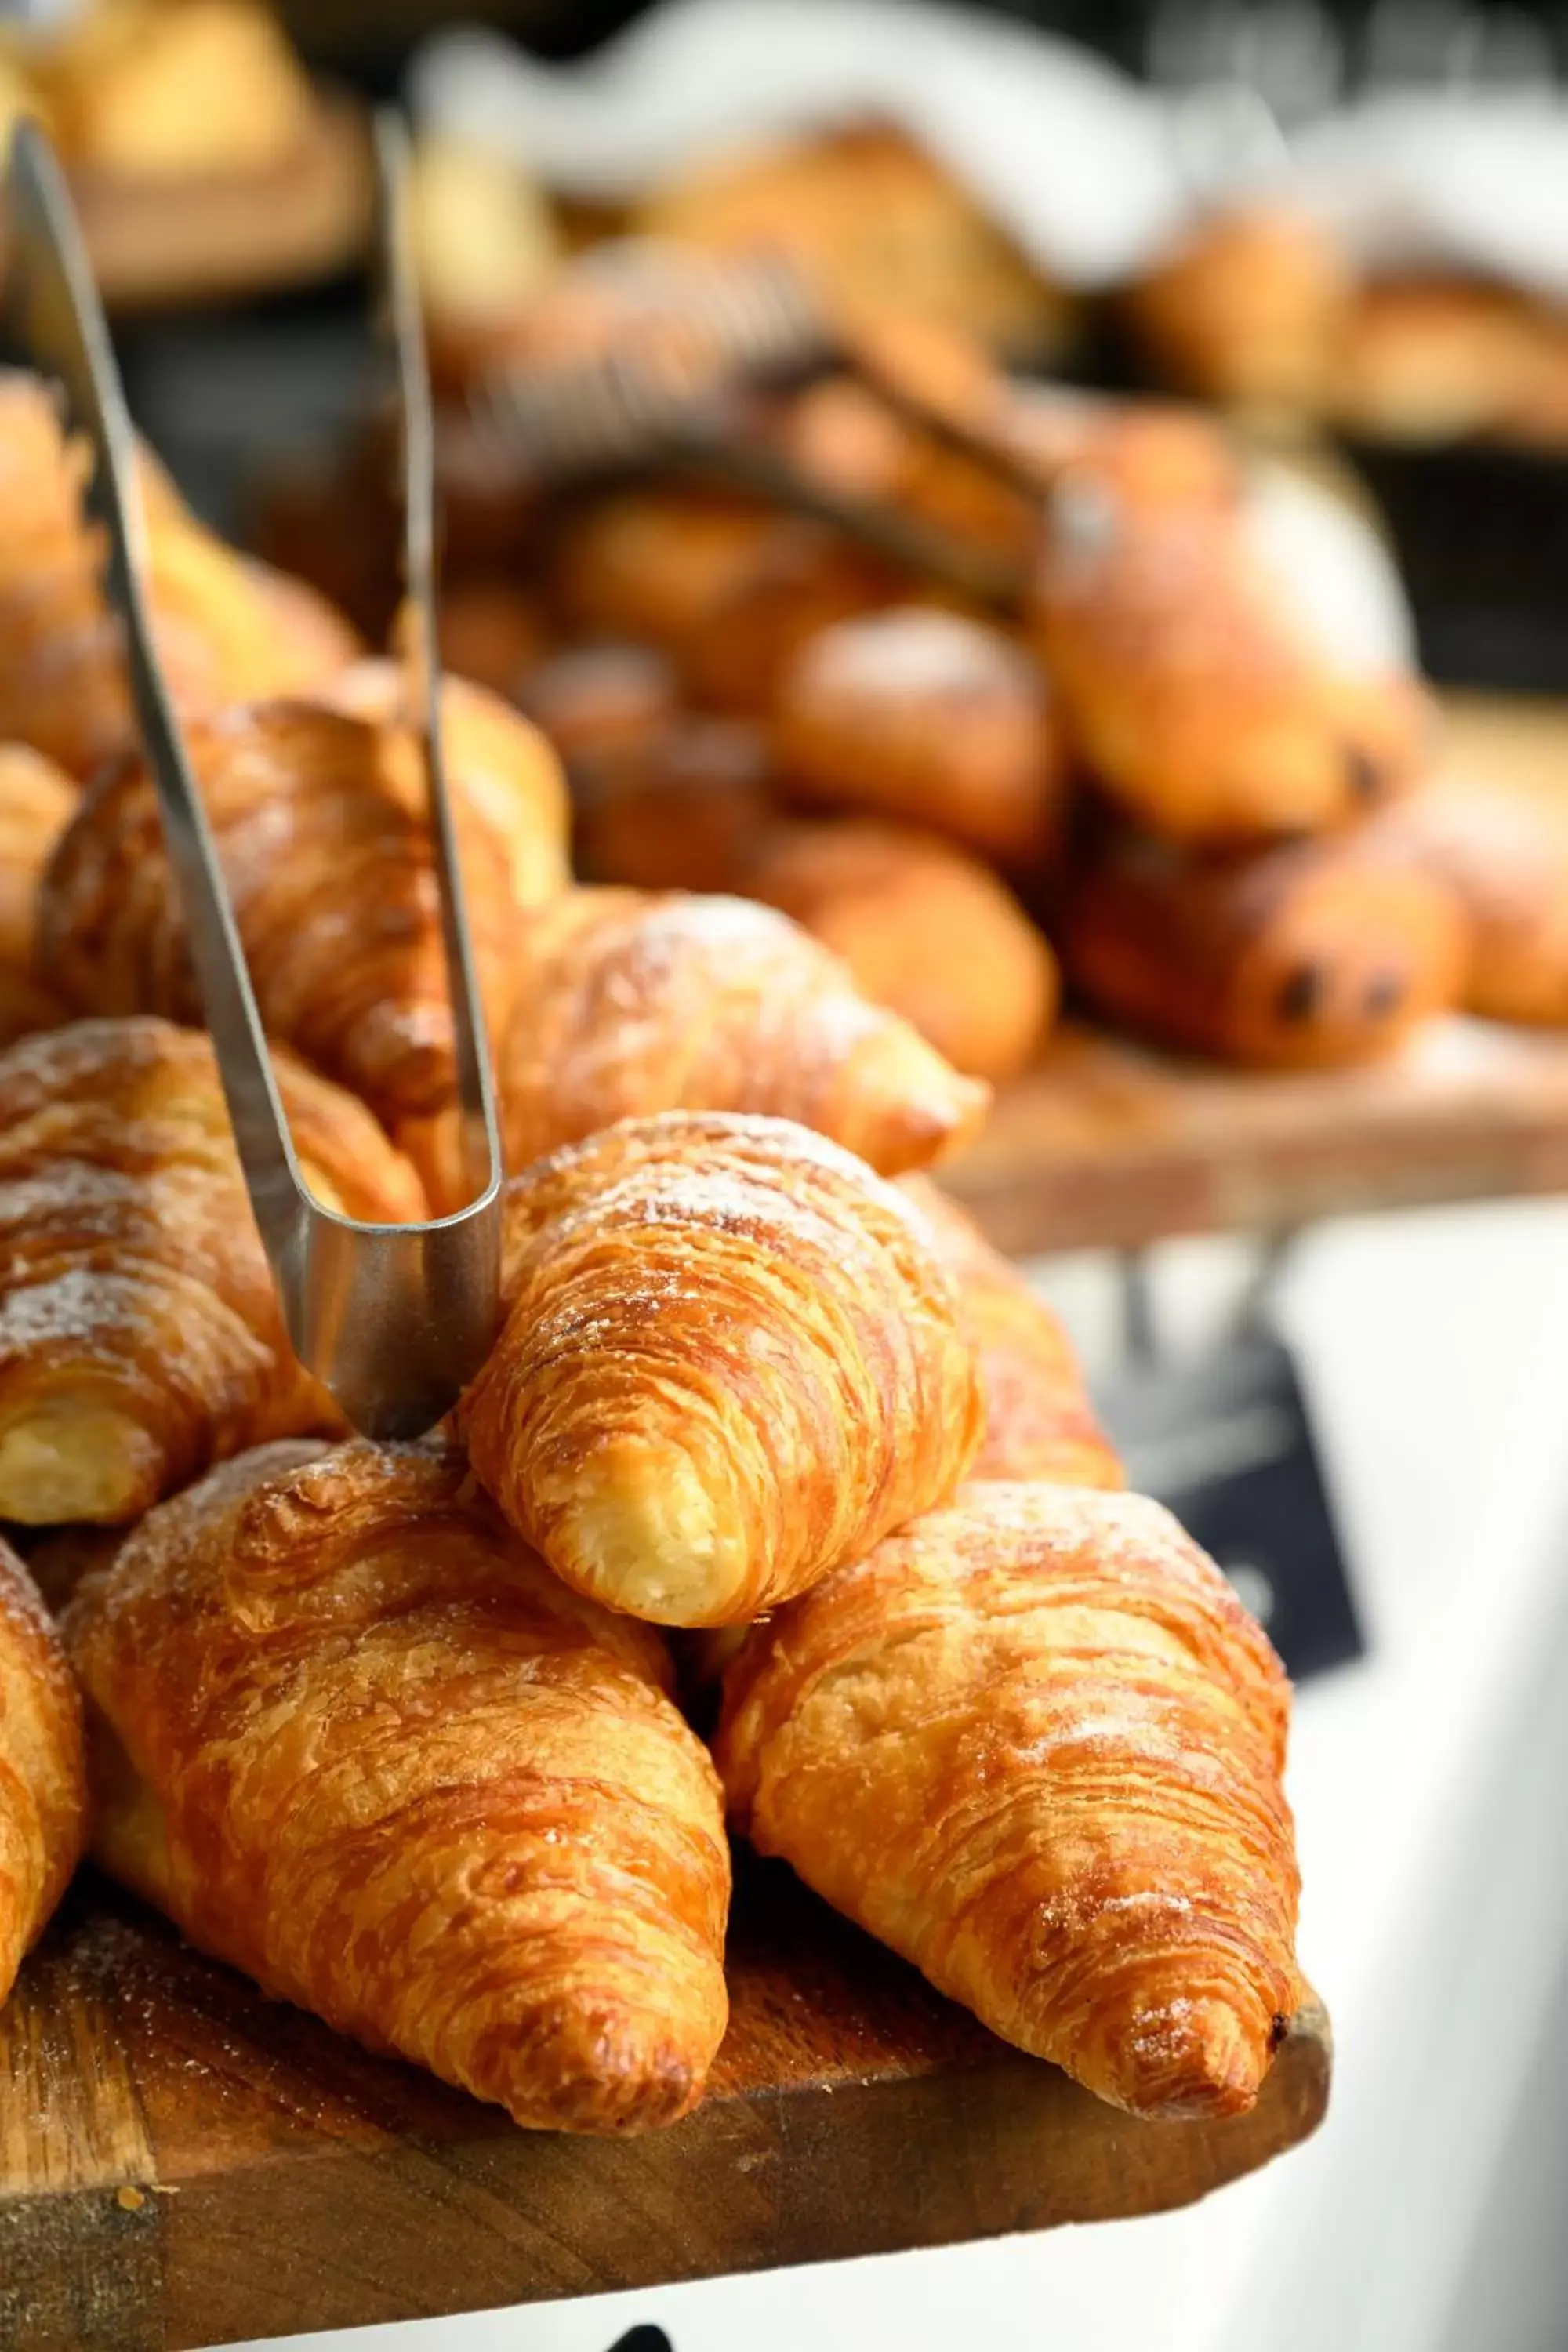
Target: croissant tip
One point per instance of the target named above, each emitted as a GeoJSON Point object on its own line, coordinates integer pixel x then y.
{"type": "Point", "coordinates": [63, 1464]}
{"type": "Point", "coordinates": [612, 2075]}
{"type": "Point", "coordinates": [1197, 2061]}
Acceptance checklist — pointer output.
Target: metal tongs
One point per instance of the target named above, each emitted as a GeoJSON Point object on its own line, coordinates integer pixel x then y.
{"type": "Point", "coordinates": [393, 1319]}
{"type": "Point", "coordinates": [659, 394]}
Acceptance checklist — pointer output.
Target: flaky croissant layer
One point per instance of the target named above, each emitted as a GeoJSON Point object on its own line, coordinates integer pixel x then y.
{"type": "Point", "coordinates": [1035, 1743]}
{"type": "Point", "coordinates": [320, 820]}
{"type": "Point", "coordinates": [356, 1741]}
{"type": "Point", "coordinates": [141, 1336]}
{"type": "Point", "coordinates": [627, 1002]}
{"type": "Point", "coordinates": [731, 1360]}
{"type": "Point", "coordinates": [43, 1782]}
{"type": "Point", "coordinates": [1039, 1423]}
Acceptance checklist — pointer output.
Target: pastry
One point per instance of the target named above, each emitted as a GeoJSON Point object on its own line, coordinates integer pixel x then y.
{"type": "Point", "coordinates": [627, 1002]}
{"type": "Point", "coordinates": [1504, 857]}
{"type": "Point", "coordinates": [43, 1782]}
{"type": "Point", "coordinates": [730, 1361]}
{"type": "Point", "coordinates": [498, 761]}
{"type": "Point", "coordinates": [308, 630]}
{"type": "Point", "coordinates": [924, 928]}
{"type": "Point", "coordinates": [1430, 360]}
{"type": "Point", "coordinates": [875, 222]}
{"type": "Point", "coordinates": [685, 810]}
{"type": "Point", "coordinates": [355, 1740]}
{"type": "Point", "coordinates": [139, 1333]}
{"type": "Point", "coordinates": [36, 800]}
{"type": "Point", "coordinates": [1033, 1742]}
{"type": "Point", "coordinates": [225, 630]}
{"type": "Point", "coordinates": [1192, 687]}
{"type": "Point", "coordinates": [491, 632]}
{"type": "Point", "coordinates": [1312, 954]}
{"type": "Point", "coordinates": [1039, 1423]}
{"type": "Point", "coordinates": [927, 716]}
{"type": "Point", "coordinates": [1248, 308]}
{"type": "Point", "coordinates": [601, 700]}
{"type": "Point", "coordinates": [1150, 453]}
{"type": "Point", "coordinates": [728, 590]}
{"type": "Point", "coordinates": [144, 91]}
{"type": "Point", "coordinates": [321, 823]}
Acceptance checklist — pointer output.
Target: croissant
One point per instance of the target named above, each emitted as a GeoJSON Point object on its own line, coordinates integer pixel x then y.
{"type": "Point", "coordinates": [1504, 857]}
{"type": "Point", "coordinates": [626, 1004]}
{"type": "Point", "coordinates": [354, 1740]}
{"type": "Point", "coordinates": [43, 1782]}
{"type": "Point", "coordinates": [36, 800]}
{"type": "Point", "coordinates": [498, 760]}
{"type": "Point", "coordinates": [139, 1333]}
{"type": "Point", "coordinates": [1033, 1742]}
{"type": "Point", "coordinates": [925, 930]}
{"type": "Point", "coordinates": [225, 631]}
{"type": "Point", "coordinates": [731, 1360]}
{"type": "Point", "coordinates": [928, 716]}
{"type": "Point", "coordinates": [1039, 1423]}
{"type": "Point", "coordinates": [1191, 688]}
{"type": "Point", "coordinates": [321, 823]}
{"type": "Point", "coordinates": [1309, 955]}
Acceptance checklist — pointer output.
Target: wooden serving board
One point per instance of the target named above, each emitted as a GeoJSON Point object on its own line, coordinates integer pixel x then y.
{"type": "Point", "coordinates": [183, 2162]}
{"type": "Point", "coordinates": [1107, 1145]}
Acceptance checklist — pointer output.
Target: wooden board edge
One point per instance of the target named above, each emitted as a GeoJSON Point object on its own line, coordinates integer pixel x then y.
{"type": "Point", "coordinates": [349, 2237]}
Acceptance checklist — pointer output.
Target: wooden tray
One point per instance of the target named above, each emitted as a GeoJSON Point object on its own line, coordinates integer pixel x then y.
{"type": "Point", "coordinates": [158, 244]}
{"type": "Point", "coordinates": [1108, 1146]}
{"type": "Point", "coordinates": [183, 2162]}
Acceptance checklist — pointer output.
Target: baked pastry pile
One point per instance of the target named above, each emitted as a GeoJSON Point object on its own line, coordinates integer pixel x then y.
{"type": "Point", "coordinates": [1155, 784]}
{"type": "Point", "coordinates": [395, 1729]}
{"type": "Point", "coordinates": [1261, 306]}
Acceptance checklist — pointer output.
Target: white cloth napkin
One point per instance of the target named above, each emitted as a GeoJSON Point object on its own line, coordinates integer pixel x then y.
{"type": "Point", "coordinates": [1070, 155]}
{"type": "Point", "coordinates": [1474, 181]}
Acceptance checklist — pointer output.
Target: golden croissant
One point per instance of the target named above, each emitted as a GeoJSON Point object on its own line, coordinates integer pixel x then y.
{"type": "Point", "coordinates": [320, 821]}
{"type": "Point", "coordinates": [139, 1333]}
{"type": "Point", "coordinates": [1033, 1742]}
{"type": "Point", "coordinates": [37, 800]}
{"type": "Point", "coordinates": [225, 630]}
{"type": "Point", "coordinates": [1039, 1423]}
{"type": "Point", "coordinates": [930, 717]}
{"type": "Point", "coordinates": [356, 1741]}
{"type": "Point", "coordinates": [626, 1004]}
{"type": "Point", "coordinates": [43, 1784]}
{"type": "Point", "coordinates": [501, 764]}
{"type": "Point", "coordinates": [730, 1361]}
{"type": "Point", "coordinates": [1192, 688]}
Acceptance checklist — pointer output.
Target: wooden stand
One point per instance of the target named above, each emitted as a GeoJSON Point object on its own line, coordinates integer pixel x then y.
{"type": "Point", "coordinates": [1107, 1145]}
{"type": "Point", "coordinates": [183, 2162]}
